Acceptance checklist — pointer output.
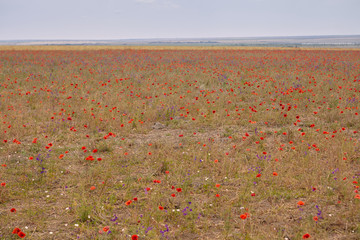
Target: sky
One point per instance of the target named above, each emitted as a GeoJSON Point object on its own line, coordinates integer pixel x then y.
{"type": "Point", "coordinates": [147, 19]}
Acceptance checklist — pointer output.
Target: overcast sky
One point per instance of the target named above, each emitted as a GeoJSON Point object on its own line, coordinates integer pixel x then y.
{"type": "Point", "coordinates": [128, 19]}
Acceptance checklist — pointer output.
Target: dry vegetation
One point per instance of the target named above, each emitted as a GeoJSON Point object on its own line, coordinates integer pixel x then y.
{"type": "Point", "coordinates": [179, 144]}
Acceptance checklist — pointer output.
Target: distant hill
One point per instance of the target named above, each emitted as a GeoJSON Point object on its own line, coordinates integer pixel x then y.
{"type": "Point", "coordinates": [352, 41]}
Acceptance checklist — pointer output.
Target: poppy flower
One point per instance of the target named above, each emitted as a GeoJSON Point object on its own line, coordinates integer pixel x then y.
{"type": "Point", "coordinates": [127, 203]}
{"type": "Point", "coordinates": [306, 236]}
{"type": "Point", "coordinates": [92, 188]}
{"type": "Point", "coordinates": [315, 218]}
{"type": "Point", "coordinates": [300, 203]}
{"type": "Point", "coordinates": [178, 190]}
{"type": "Point", "coordinates": [357, 196]}
{"type": "Point", "coordinates": [105, 229]}
{"type": "Point", "coordinates": [243, 216]}
{"type": "Point", "coordinates": [134, 237]}
{"type": "Point", "coordinates": [13, 210]}
{"type": "Point", "coordinates": [21, 234]}
{"type": "Point", "coordinates": [275, 173]}
{"type": "Point", "coordinates": [3, 184]}
{"type": "Point", "coordinates": [16, 230]}
{"type": "Point", "coordinates": [161, 207]}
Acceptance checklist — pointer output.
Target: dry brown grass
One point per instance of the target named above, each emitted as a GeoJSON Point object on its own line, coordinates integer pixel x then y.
{"type": "Point", "coordinates": [188, 119]}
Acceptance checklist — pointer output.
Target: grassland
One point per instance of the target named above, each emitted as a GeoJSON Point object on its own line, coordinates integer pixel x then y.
{"type": "Point", "coordinates": [184, 143]}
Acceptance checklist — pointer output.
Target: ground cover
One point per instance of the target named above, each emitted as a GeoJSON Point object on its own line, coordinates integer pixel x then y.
{"type": "Point", "coordinates": [161, 143]}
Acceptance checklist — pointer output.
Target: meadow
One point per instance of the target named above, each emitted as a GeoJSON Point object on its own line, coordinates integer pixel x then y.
{"type": "Point", "coordinates": [179, 143]}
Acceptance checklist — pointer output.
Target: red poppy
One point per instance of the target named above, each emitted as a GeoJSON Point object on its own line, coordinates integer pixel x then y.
{"type": "Point", "coordinates": [161, 207]}
{"type": "Point", "coordinates": [92, 188]}
{"type": "Point", "coordinates": [16, 230]}
{"type": "Point", "coordinates": [243, 216]}
{"type": "Point", "coordinates": [105, 229]}
{"type": "Point", "coordinates": [134, 237]}
{"type": "Point", "coordinates": [300, 203]}
{"type": "Point", "coordinates": [178, 189]}
{"type": "Point", "coordinates": [128, 203]}
{"type": "Point", "coordinates": [13, 210]}
{"type": "Point", "coordinates": [3, 184]}
{"type": "Point", "coordinates": [21, 234]}
{"type": "Point", "coordinates": [306, 236]}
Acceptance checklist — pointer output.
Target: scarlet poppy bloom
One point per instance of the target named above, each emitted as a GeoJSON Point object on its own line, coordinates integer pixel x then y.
{"type": "Point", "coordinates": [161, 207]}
{"type": "Point", "coordinates": [306, 236]}
{"type": "Point", "coordinates": [21, 234]}
{"type": "Point", "coordinates": [92, 188]}
{"type": "Point", "coordinates": [135, 199]}
{"type": "Point", "coordinates": [217, 185]}
{"type": "Point", "coordinates": [243, 216]}
{"type": "Point", "coordinates": [105, 229]}
{"type": "Point", "coordinates": [3, 184]}
{"type": "Point", "coordinates": [275, 173]}
{"type": "Point", "coordinates": [134, 237]}
{"type": "Point", "coordinates": [13, 210]}
{"type": "Point", "coordinates": [300, 203]}
{"type": "Point", "coordinates": [178, 189]}
{"type": "Point", "coordinates": [16, 230]}
{"type": "Point", "coordinates": [95, 150]}
{"type": "Point", "coordinates": [357, 196]}
{"type": "Point", "coordinates": [316, 218]}
{"type": "Point", "coordinates": [128, 203]}
{"type": "Point", "coordinates": [173, 195]}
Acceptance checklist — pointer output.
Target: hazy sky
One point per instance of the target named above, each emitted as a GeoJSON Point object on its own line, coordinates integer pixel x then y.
{"type": "Point", "coordinates": [125, 19]}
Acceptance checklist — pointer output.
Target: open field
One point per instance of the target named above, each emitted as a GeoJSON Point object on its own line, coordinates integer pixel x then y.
{"type": "Point", "coordinates": [178, 143]}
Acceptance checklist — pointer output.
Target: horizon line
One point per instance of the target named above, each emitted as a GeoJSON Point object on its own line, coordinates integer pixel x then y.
{"type": "Point", "coordinates": [167, 38]}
